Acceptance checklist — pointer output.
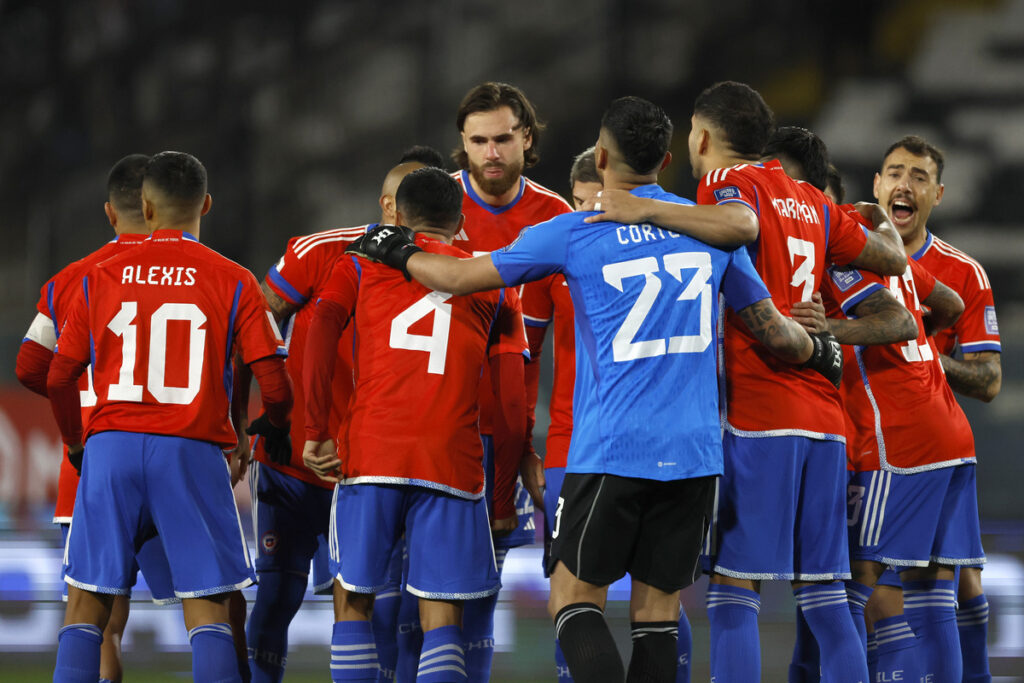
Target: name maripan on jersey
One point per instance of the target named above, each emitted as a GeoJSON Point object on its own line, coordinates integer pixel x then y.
{"type": "Point", "coordinates": [794, 209]}
{"type": "Point", "coordinates": [644, 232]}
{"type": "Point", "coordinates": [178, 276]}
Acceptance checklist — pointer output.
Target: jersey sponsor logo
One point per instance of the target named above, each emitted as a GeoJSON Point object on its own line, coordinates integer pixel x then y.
{"type": "Point", "coordinates": [796, 210]}
{"type": "Point", "coordinates": [845, 277]}
{"type": "Point", "coordinates": [991, 325]}
{"type": "Point", "coordinates": [723, 193]}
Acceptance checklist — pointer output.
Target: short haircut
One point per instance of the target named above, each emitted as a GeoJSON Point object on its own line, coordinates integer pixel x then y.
{"type": "Point", "coordinates": [180, 177]}
{"type": "Point", "coordinates": [918, 146]}
{"type": "Point", "coordinates": [422, 154]}
{"type": "Point", "coordinates": [430, 196]}
{"type": "Point", "coordinates": [584, 168]}
{"type": "Point", "coordinates": [740, 114]}
{"type": "Point", "coordinates": [491, 96]}
{"type": "Point", "coordinates": [835, 183]}
{"type": "Point", "coordinates": [124, 183]}
{"type": "Point", "coordinates": [803, 147]}
{"type": "Point", "coordinates": [642, 132]}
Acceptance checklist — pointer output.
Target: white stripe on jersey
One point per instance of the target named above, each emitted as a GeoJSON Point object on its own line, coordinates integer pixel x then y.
{"type": "Point", "coordinates": [948, 250]}
{"type": "Point", "coordinates": [304, 245]}
{"type": "Point", "coordinates": [540, 189]}
{"type": "Point", "coordinates": [41, 332]}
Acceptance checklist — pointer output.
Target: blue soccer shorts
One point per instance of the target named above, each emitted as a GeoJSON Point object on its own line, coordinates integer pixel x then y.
{"type": "Point", "coordinates": [553, 478]}
{"type": "Point", "coordinates": [525, 530]}
{"type": "Point", "coordinates": [291, 518]}
{"type": "Point", "coordinates": [448, 541]}
{"type": "Point", "coordinates": [150, 562]}
{"type": "Point", "coordinates": [136, 486]}
{"type": "Point", "coordinates": [781, 510]}
{"type": "Point", "coordinates": [912, 520]}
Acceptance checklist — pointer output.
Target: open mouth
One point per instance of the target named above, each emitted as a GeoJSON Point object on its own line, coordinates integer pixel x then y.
{"type": "Point", "coordinates": [901, 211]}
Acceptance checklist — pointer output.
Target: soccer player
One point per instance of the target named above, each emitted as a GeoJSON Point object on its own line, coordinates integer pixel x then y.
{"type": "Point", "coordinates": [636, 452]}
{"type": "Point", "coordinates": [784, 425]}
{"type": "Point", "coordinates": [500, 135]}
{"type": "Point", "coordinates": [412, 451]}
{"type": "Point", "coordinates": [909, 185]}
{"type": "Point", "coordinates": [159, 323]}
{"type": "Point", "coordinates": [292, 505]}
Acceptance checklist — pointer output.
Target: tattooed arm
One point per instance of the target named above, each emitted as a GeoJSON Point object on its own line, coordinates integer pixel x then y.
{"type": "Point", "coordinates": [883, 252]}
{"type": "Point", "coordinates": [783, 337]}
{"type": "Point", "coordinates": [880, 320]}
{"type": "Point", "coordinates": [281, 308]}
{"type": "Point", "coordinates": [945, 307]}
{"type": "Point", "coordinates": [979, 375]}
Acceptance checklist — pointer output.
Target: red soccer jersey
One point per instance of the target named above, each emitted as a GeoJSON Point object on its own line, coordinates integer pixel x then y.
{"type": "Point", "coordinates": [55, 300]}
{"type": "Point", "coordinates": [901, 414]}
{"type": "Point", "coordinates": [160, 323]}
{"type": "Point", "coordinates": [298, 278]}
{"type": "Point", "coordinates": [977, 328]}
{"type": "Point", "coordinates": [488, 228]}
{"type": "Point", "coordinates": [546, 301]}
{"type": "Point", "coordinates": [801, 231]}
{"type": "Point", "coordinates": [419, 355]}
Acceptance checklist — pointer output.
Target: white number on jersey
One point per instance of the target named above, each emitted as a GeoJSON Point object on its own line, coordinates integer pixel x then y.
{"type": "Point", "coordinates": [436, 343]}
{"type": "Point", "coordinates": [623, 346]}
{"type": "Point", "coordinates": [123, 326]}
{"type": "Point", "coordinates": [804, 273]}
{"type": "Point", "coordinates": [915, 350]}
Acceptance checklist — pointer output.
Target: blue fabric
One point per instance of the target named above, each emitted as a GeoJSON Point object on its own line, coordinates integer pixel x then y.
{"type": "Point", "coordinates": [825, 607]}
{"type": "Point", "coordinates": [478, 637]}
{"type": "Point", "coordinates": [898, 654]}
{"type": "Point", "coordinates": [384, 623]}
{"type": "Point", "coordinates": [442, 659]}
{"type": "Point", "coordinates": [646, 307]}
{"type": "Point", "coordinates": [562, 673]}
{"type": "Point", "coordinates": [292, 517]}
{"type": "Point", "coordinates": [410, 637]}
{"type": "Point", "coordinates": [805, 667]}
{"type": "Point", "coordinates": [684, 648]}
{"type": "Point", "coordinates": [972, 623]}
{"type": "Point", "coordinates": [353, 652]}
{"type": "Point", "coordinates": [525, 528]}
{"type": "Point", "coordinates": [78, 654]}
{"type": "Point", "coordinates": [857, 596]}
{"type": "Point", "coordinates": [735, 642]}
{"type": "Point", "coordinates": [278, 598]}
{"type": "Point", "coordinates": [931, 611]}
{"type": "Point", "coordinates": [213, 654]}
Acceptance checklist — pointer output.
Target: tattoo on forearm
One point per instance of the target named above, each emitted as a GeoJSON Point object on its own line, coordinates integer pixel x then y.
{"type": "Point", "coordinates": [979, 377]}
{"type": "Point", "coordinates": [281, 308]}
{"type": "Point", "coordinates": [880, 320]}
{"type": "Point", "coordinates": [770, 328]}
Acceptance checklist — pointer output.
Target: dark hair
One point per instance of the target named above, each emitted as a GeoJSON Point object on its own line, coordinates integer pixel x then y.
{"type": "Point", "coordinates": [835, 183]}
{"type": "Point", "coordinates": [803, 147]}
{"type": "Point", "coordinates": [491, 96]}
{"type": "Point", "coordinates": [641, 130]}
{"type": "Point", "coordinates": [428, 156]}
{"type": "Point", "coordinates": [180, 177]}
{"type": "Point", "coordinates": [740, 113]}
{"type": "Point", "coordinates": [918, 146]}
{"type": "Point", "coordinates": [429, 196]}
{"type": "Point", "coordinates": [584, 168]}
{"type": "Point", "coordinates": [124, 183]}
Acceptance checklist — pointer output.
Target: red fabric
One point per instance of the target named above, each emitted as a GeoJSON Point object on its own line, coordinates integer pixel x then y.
{"type": "Point", "coordinates": [321, 352]}
{"type": "Point", "coordinates": [510, 433]}
{"type": "Point", "coordinates": [275, 387]}
{"type": "Point", "coordinates": [62, 387]}
{"type": "Point", "coordinates": [32, 365]}
{"type": "Point", "coordinates": [801, 232]}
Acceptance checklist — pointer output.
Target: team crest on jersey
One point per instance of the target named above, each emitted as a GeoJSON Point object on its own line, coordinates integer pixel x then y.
{"type": "Point", "coordinates": [991, 325]}
{"type": "Point", "coordinates": [844, 277]}
{"type": "Point", "coordinates": [269, 543]}
{"type": "Point", "coordinates": [723, 193]}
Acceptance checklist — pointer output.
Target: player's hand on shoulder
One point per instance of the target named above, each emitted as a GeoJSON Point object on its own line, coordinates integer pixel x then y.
{"type": "Point", "coordinates": [827, 357]}
{"type": "Point", "coordinates": [391, 245]}
{"type": "Point", "coordinates": [277, 441]}
{"type": "Point", "coordinates": [322, 458]}
{"type": "Point", "coordinates": [810, 314]}
{"type": "Point", "coordinates": [618, 206]}
{"type": "Point", "coordinates": [75, 456]}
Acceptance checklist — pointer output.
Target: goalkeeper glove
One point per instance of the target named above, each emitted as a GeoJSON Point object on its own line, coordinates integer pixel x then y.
{"type": "Point", "coordinates": [277, 441]}
{"type": "Point", "coordinates": [391, 245]}
{"type": "Point", "coordinates": [827, 357]}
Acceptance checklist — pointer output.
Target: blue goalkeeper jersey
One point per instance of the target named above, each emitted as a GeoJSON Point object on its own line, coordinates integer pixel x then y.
{"type": "Point", "coordinates": [646, 301]}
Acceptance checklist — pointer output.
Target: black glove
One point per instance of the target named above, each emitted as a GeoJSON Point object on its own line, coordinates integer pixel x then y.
{"type": "Point", "coordinates": [827, 357]}
{"type": "Point", "coordinates": [277, 441]}
{"type": "Point", "coordinates": [76, 459]}
{"type": "Point", "coordinates": [391, 245]}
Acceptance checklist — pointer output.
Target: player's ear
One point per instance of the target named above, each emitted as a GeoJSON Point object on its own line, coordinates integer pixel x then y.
{"type": "Point", "coordinates": [387, 206]}
{"type": "Point", "coordinates": [938, 194]}
{"type": "Point", "coordinates": [458, 226]}
{"type": "Point", "coordinates": [527, 139]}
{"type": "Point", "coordinates": [111, 212]}
{"type": "Point", "coordinates": [666, 161]}
{"type": "Point", "coordinates": [207, 203]}
{"type": "Point", "coordinates": [703, 141]}
{"type": "Point", "coordinates": [874, 186]}
{"type": "Point", "coordinates": [147, 209]}
{"type": "Point", "coordinates": [600, 156]}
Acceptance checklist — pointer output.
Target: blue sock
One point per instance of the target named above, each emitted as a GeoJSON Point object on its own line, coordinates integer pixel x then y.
{"type": "Point", "coordinates": [684, 647]}
{"type": "Point", "coordinates": [930, 607]}
{"type": "Point", "coordinates": [561, 666]}
{"type": "Point", "coordinates": [353, 652]}
{"type": "Point", "coordinates": [898, 651]}
{"type": "Point", "coordinates": [213, 654]}
{"type": "Point", "coordinates": [872, 656]}
{"type": "Point", "coordinates": [478, 635]}
{"type": "Point", "coordinates": [442, 659]}
{"type": "Point", "coordinates": [828, 615]}
{"type": "Point", "coordinates": [972, 623]}
{"type": "Point", "coordinates": [735, 645]}
{"type": "Point", "coordinates": [410, 637]}
{"type": "Point", "coordinates": [857, 595]}
{"type": "Point", "coordinates": [385, 631]}
{"type": "Point", "coordinates": [805, 666]}
{"type": "Point", "coordinates": [78, 654]}
{"type": "Point", "coordinates": [278, 597]}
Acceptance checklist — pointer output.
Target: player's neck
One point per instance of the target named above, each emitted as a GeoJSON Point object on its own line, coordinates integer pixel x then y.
{"type": "Point", "coordinates": [439, 236]}
{"type": "Point", "coordinates": [717, 161]}
{"type": "Point", "coordinates": [626, 181]}
{"type": "Point", "coordinates": [123, 228]}
{"type": "Point", "coordinates": [191, 227]}
{"type": "Point", "coordinates": [914, 243]}
{"type": "Point", "coordinates": [496, 200]}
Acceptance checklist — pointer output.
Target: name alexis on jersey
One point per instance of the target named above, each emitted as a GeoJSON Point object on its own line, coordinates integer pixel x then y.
{"type": "Point", "coordinates": [177, 276]}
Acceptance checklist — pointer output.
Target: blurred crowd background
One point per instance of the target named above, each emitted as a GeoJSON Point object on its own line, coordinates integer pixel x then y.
{"type": "Point", "coordinates": [298, 109]}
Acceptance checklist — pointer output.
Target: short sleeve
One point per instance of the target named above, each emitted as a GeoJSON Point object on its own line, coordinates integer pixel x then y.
{"type": "Point", "coordinates": [73, 340]}
{"type": "Point", "coordinates": [538, 304]}
{"type": "Point", "coordinates": [291, 278]}
{"type": "Point", "coordinates": [508, 334]}
{"type": "Point", "coordinates": [846, 234]}
{"type": "Point", "coordinates": [849, 286]}
{"type": "Point", "coordinates": [924, 282]}
{"type": "Point", "coordinates": [977, 329]}
{"type": "Point", "coordinates": [727, 186]}
{"type": "Point", "coordinates": [255, 328]}
{"type": "Point", "coordinates": [741, 284]}
{"type": "Point", "coordinates": [539, 250]}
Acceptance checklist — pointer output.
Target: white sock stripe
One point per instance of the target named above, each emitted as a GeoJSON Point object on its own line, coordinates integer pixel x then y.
{"type": "Point", "coordinates": [926, 601]}
{"type": "Point", "coordinates": [566, 616]}
{"type": "Point", "coordinates": [971, 622]}
{"type": "Point", "coordinates": [893, 628]}
{"type": "Point", "coordinates": [821, 596]}
{"type": "Point", "coordinates": [980, 609]}
{"type": "Point", "coordinates": [885, 640]}
{"type": "Point", "coordinates": [440, 648]}
{"type": "Point", "coordinates": [937, 591]}
{"type": "Point", "coordinates": [818, 604]}
{"type": "Point", "coordinates": [369, 665]}
{"type": "Point", "coordinates": [210, 628]}
{"type": "Point", "coordinates": [88, 628]}
{"type": "Point", "coordinates": [435, 660]}
{"type": "Point", "coordinates": [354, 658]}
{"type": "Point", "coordinates": [721, 599]}
{"type": "Point", "coordinates": [435, 669]}
{"type": "Point", "coordinates": [349, 648]}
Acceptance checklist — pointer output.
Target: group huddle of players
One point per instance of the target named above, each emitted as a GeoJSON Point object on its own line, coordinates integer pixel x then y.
{"type": "Point", "coordinates": [756, 385]}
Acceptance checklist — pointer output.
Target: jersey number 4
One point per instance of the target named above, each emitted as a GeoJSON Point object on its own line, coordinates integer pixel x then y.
{"type": "Point", "coordinates": [435, 343]}
{"type": "Point", "coordinates": [123, 325]}
{"type": "Point", "coordinates": [698, 287]}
